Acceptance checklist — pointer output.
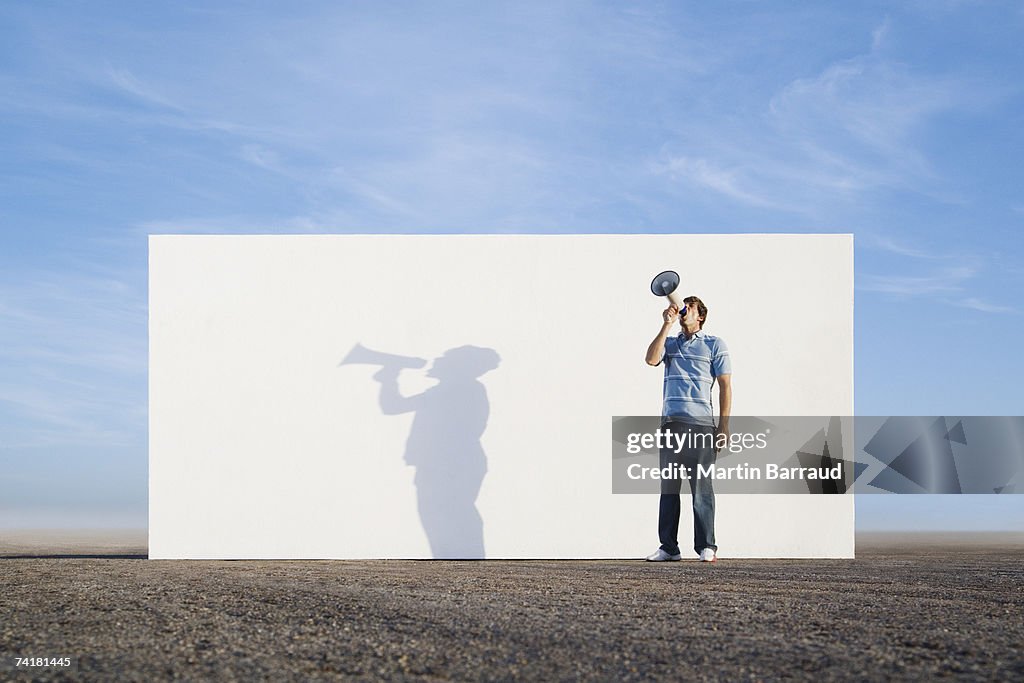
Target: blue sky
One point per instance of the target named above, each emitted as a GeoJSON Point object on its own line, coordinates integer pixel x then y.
{"type": "Point", "coordinates": [899, 122]}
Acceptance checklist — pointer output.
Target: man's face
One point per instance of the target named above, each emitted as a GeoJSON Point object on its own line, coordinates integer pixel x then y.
{"type": "Point", "coordinates": [689, 316]}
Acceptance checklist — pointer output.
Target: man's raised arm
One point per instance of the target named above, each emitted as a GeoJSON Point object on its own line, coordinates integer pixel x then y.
{"type": "Point", "coordinates": [391, 400]}
{"type": "Point", "coordinates": [657, 348]}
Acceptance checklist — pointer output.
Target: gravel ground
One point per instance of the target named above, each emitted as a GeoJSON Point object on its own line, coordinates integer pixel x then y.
{"type": "Point", "coordinates": [900, 610]}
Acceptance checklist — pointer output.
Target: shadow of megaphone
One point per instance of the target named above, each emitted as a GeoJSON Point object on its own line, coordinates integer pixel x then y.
{"type": "Point", "coordinates": [360, 355]}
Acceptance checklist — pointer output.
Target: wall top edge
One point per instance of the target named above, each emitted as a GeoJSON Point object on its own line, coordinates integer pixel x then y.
{"type": "Point", "coordinates": [496, 235]}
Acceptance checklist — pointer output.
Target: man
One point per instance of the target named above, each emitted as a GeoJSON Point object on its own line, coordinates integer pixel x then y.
{"type": "Point", "coordinates": [694, 362]}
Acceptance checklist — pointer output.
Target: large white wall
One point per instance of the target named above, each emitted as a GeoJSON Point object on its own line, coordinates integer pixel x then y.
{"type": "Point", "coordinates": [262, 446]}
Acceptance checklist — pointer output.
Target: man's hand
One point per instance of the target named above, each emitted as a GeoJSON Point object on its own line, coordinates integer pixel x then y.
{"type": "Point", "coordinates": [657, 348]}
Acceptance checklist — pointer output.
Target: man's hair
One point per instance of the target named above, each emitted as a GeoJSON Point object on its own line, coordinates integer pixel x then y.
{"type": "Point", "coordinates": [702, 310]}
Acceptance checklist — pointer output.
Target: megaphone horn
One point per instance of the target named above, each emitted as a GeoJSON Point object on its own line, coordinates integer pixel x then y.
{"type": "Point", "coordinates": [667, 284]}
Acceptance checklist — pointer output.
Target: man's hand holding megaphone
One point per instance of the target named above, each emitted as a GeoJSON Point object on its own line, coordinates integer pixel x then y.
{"type": "Point", "coordinates": [671, 314]}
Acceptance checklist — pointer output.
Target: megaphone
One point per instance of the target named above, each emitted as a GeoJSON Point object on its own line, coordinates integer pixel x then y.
{"type": "Point", "coordinates": [360, 355]}
{"type": "Point", "coordinates": [666, 284]}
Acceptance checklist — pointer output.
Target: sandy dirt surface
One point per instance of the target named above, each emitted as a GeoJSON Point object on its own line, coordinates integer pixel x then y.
{"type": "Point", "coordinates": [906, 608]}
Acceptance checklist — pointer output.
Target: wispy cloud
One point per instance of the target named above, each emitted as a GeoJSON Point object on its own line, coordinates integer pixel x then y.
{"type": "Point", "coordinates": [977, 304]}
{"type": "Point", "coordinates": [705, 174]}
{"type": "Point", "coordinates": [259, 155]}
{"type": "Point", "coordinates": [854, 129]}
{"type": "Point", "coordinates": [859, 120]}
{"type": "Point", "coordinates": [124, 80]}
{"type": "Point", "coordinates": [892, 245]}
{"type": "Point", "coordinates": [951, 276]}
{"type": "Point", "coordinates": [946, 281]}
{"type": "Point", "coordinates": [878, 36]}
{"type": "Point", "coordinates": [865, 109]}
{"type": "Point", "coordinates": [951, 285]}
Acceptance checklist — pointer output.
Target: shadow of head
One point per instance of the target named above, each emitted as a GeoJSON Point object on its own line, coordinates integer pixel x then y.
{"type": "Point", "coordinates": [464, 362]}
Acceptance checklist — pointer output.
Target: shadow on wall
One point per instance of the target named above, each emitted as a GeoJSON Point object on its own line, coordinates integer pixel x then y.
{"type": "Point", "coordinates": [444, 440]}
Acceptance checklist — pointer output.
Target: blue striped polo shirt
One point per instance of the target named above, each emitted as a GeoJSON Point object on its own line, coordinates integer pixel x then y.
{"type": "Point", "coordinates": [691, 366]}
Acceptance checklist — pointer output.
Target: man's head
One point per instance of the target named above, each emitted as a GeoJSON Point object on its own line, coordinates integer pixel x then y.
{"type": "Point", "coordinates": [696, 312]}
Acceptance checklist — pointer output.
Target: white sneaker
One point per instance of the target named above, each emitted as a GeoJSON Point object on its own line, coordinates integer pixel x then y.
{"type": "Point", "coordinates": [662, 556]}
{"type": "Point", "coordinates": [708, 555]}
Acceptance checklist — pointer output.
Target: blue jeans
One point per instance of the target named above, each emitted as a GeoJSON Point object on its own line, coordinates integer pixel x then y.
{"type": "Point", "coordinates": [701, 489]}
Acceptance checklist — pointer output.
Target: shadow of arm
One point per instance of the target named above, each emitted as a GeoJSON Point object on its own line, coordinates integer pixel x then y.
{"type": "Point", "coordinates": [391, 400]}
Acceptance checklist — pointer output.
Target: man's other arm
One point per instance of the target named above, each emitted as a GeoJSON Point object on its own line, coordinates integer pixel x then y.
{"type": "Point", "coordinates": [657, 348]}
{"type": "Point", "coordinates": [724, 404]}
